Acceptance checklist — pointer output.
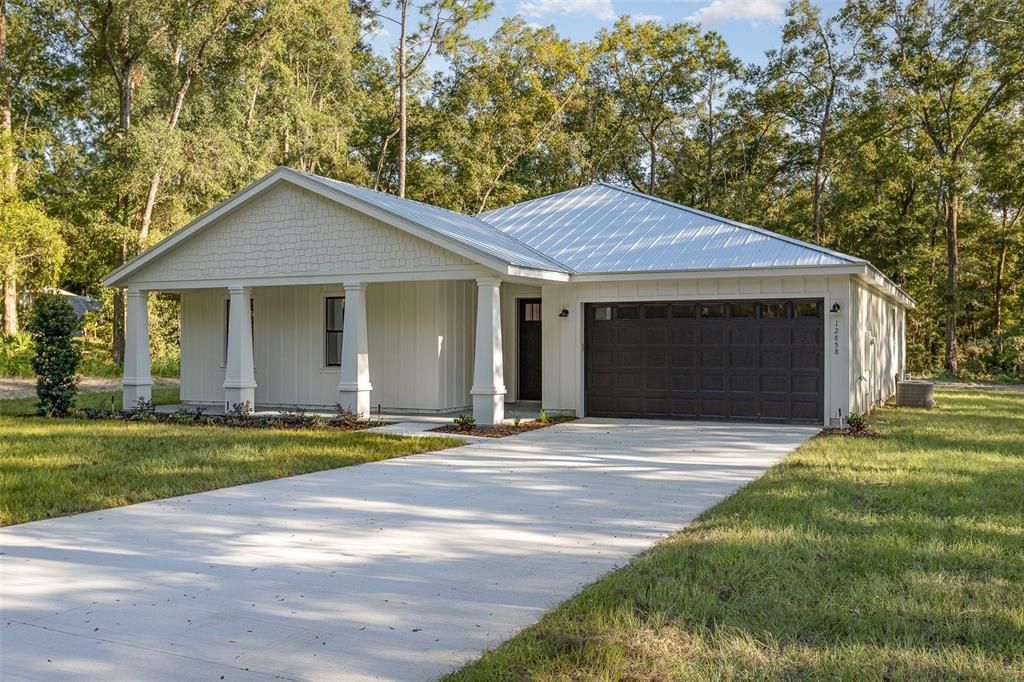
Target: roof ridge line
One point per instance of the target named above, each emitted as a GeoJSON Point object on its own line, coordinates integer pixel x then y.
{"type": "Point", "coordinates": [527, 201]}
{"type": "Point", "coordinates": [735, 223]}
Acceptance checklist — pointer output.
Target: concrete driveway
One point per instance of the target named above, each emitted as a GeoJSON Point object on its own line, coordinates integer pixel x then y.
{"type": "Point", "coordinates": [394, 570]}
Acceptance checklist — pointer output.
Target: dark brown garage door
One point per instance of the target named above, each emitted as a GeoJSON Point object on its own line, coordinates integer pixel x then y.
{"type": "Point", "coordinates": [741, 360]}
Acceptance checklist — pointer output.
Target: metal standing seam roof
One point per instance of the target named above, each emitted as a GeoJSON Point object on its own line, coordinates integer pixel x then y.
{"type": "Point", "coordinates": [603, 228]}
{"type": "Point", "coordinates": [467, 230]}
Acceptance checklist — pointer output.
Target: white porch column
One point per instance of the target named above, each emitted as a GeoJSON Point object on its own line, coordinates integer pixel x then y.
{"type": "Point", "coordinates": [137, 382]}
{"type": "Point", "coordinates": [488, 389]}
{"type": "Point", "coordinates": [354, 376]}
{"type": "Point", "coordinates": [239, 375]}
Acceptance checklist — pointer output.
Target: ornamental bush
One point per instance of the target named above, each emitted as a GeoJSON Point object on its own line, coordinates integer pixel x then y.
{"type": "Point", "coordinates": [53, 325]}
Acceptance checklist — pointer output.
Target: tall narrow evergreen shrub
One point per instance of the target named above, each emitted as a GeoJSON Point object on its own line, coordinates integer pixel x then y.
{"type": "Point", "coordinates": [53, 325]}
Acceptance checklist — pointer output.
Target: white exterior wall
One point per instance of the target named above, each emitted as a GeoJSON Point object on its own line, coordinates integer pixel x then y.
{"type": "Point", "coordinates": [879, 348]}
{"type": "Point", "coordinates": [563, 340]}
{"type": "Point", "coordinates": [420, 335]}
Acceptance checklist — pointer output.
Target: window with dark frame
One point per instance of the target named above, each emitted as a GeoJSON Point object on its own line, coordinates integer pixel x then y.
{"type": "Point", "coordinates": [334, 327]}
{"type": "Point", "coordinates": [531, 312]}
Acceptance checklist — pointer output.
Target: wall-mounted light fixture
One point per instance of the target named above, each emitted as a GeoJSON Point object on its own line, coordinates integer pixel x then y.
{"type": "Point", "coordinates": [564, 313]}
{"type": "Point", "coordinates": [835, 307]}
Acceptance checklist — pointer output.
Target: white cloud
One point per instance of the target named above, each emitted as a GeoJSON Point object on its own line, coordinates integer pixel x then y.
{"type": "Point", "coordinates": [600, 9]}
{"type": "Point", "coordinates": [641, 18]}
{"type": "Point", "coordinates": [754, 11]}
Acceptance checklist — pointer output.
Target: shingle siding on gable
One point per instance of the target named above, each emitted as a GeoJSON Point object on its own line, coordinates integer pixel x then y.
{"type": "Point", "coordinates": [290, 231]}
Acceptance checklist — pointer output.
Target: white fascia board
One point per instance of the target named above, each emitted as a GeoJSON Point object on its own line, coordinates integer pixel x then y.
{"type": "Point", "coordinates": [793, 271]}
{"type": "Point", "coordinates": [440, 274]}
{"type": "Point", "coordinates": [874, 278]}
{"type": "Point", "coordinates": [534, 274]}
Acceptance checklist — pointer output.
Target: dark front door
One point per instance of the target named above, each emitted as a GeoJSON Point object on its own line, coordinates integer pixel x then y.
{"type": "Point", "coordinates": [743, 360]}
{"type": "Point", "coordinates": [529, 349]}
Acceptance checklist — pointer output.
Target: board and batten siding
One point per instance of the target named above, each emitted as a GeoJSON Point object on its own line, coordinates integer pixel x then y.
{"type": "Point", "coordinates": [563, 340]}
{"type": "Point", "coordinates": [420, 338]}
{"type": "Point", "coordinates": [878, 348]}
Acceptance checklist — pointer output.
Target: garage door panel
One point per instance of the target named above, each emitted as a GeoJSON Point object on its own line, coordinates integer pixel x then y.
{"type": "Point", "coordinates": [777, 359]}
{"type": "Point", "coordinates": [683, 382]}
{"type": "Point", "coordinates": [717, 360]}
{"type": "Point", "coordinates": [804, 359]}
{"type": "Point", "coordinates": [684, 334]}
{"type": "Point", "coordinates": [743, 359]}
{"type": "Point", "coordinates": [747, 383]}
{"type": "Point", "coordinates": [714, 332]}
{"type": "Point", "coordinates": [807, 336]}
{"type": "Point", "coordinates": [747, 334]}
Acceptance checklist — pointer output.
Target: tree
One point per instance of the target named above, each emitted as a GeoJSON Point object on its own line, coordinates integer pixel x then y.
{"type": "Point", "coordinates": [31, 249]}
{"type": "Point", "coordinates": [441, 28]}
{"type": "Point", "coordinates": [948, 65]}
{"type": "Point", "coordinates": [816, 69]}
{"type": "Point", "coordinates": [651, 71]}
{"type": "Point", "coordinates": [120, 43]}
{"type": "Point", "coordinates": [212, 36]}
{"type": "Point", "coordinates": [502, 114]}
{"type": "Point", "coordinates": [55, 358]}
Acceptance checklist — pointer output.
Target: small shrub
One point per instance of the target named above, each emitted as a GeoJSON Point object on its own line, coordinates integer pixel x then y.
{"type": "Point", "coordinates": [465, 422]}
{"type": "Point", "coordinates": [143, 406]}
{"type": "Point", "coordinates": [239, 411]}
{"type": "Point", "coordinates": [53, 325]}
{"type": "Point", "coordinates": [345, 416]}
{"type": "Point", "coordinates": [16, 355]}
{"type": "Point", "coordinates": [856, 422]}
{"type": "Point", "coordinates": [516, 419]}
{"type": "Point", "coordinates": [545, 418]}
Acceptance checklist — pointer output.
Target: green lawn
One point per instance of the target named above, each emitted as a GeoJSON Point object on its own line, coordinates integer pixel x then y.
{"type": "Point", "coordinates": [899, 558]}
{"type": "Point", "coordinates": [52, 467]}
{"type": "Point", "coordinates": [162, 395]}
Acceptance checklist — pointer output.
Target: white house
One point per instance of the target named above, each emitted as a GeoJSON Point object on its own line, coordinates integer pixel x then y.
{"type": "Point", "coordinates": [305, 291]}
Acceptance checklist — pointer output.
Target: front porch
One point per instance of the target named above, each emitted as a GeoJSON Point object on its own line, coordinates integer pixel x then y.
{"type": "Point", "coordinates": [403, 350]}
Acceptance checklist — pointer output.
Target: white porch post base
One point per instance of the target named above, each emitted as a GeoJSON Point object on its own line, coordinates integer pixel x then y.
{"type": "Point", "coordinates": [354, 374]}
{"type": "Point", "coordinates": [137, 382]}
{"type": "Point", "coordinates": [489, 408]}
{"type": "Point", "coordinates": [239, 396]}
{"type": "Point", "coordinates": [488, 389]}
{"type": "Point", "coordinates": [131, 392]}
{"type": "Point", "coordinates": [356, 400]}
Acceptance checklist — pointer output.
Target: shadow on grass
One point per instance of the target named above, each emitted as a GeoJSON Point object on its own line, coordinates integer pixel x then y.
{"type": "Point", "coordinates": [860, 559]}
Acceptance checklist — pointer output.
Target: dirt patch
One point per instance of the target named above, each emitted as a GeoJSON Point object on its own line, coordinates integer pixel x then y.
{"type": "Point", "coordinates": [500, 431]}
{"type": "Point", "coordinates": [26, 387]}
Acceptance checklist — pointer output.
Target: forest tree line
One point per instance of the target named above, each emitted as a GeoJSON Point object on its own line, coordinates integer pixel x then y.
{"type": "Point", "coordinates": [893, 131]}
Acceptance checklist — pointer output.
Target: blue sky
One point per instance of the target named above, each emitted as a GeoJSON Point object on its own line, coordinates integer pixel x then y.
{"type": "Point", "coordinates": [749, 26]}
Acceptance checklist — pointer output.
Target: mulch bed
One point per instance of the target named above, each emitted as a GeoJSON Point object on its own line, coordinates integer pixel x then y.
{"type": "Point", "coordinates": [500, 431]}
{"type": "Point", "coordinates": [849, 433]}
{"type": "Point", "coordinates": [296, 421]}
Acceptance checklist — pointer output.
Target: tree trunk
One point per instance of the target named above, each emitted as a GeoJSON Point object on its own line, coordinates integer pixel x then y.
{"type": "Point", "coordinates": [819, 165]}
{"type": "Point", "coordinates": [122, 211]}
{"type": "Point", "coordinates": [10, 303]}
{"type": "Point", "coordinates": [652, 144]}
{"type": "Point", "coordinates": [711, 145]}
{"type": "Point", "coordinates": [10, 163]}
{"type": "Point", "coordinates": [997, 304]}
{"type": "Point", "coordinates": [154, 183]}
{"type": "Point", "coordinates": [402, 85]}
{"type": "Point", "coordinates": [952, 201]}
